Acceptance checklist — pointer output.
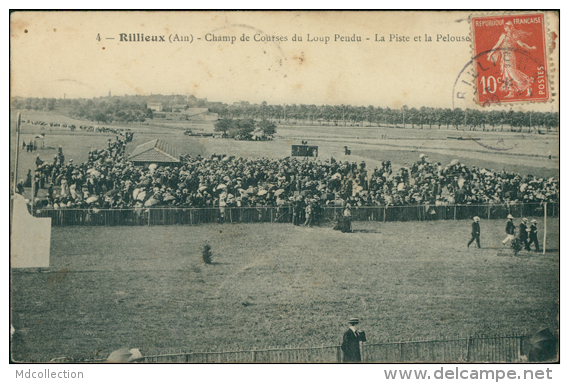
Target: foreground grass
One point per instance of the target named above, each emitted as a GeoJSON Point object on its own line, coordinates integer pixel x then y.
{"type": "Point", "coordinates": [275, 285]}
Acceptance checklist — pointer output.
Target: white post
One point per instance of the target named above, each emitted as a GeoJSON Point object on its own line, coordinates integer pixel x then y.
{"type": "Point", "coordinates": [19, 118]}
{"type": "Point", "coordinates": [544, 225]}
{"type": "Point", "coordinates": [33, 192]}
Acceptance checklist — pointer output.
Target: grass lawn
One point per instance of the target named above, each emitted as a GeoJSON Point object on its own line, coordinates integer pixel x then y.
{"type": "Point", "coordinates": [276, 285]}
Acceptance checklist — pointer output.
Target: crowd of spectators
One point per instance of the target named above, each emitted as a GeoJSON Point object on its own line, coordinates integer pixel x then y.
{"type": "Point", "coordinates": [107, 180]}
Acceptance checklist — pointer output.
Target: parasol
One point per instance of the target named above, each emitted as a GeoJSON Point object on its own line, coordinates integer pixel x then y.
{"type": "Point", "coordinates": [279, 192]}
{"type": "Point", "coordinates": [124, 355]}
{"type": "Point", "coordinates": [542, 346]}
{"type": "Point", "coordinates": [461, 182]}
{"type": "Point", "coordinates": [455, 162]}
{"type": "Point", "coordinates": [92, 199]}
{"type": "Point", "coordinates": [146, 182]}
{"type": "Point", "coordinates": [141, 196]}
{"type": "Point", "coordinates": [151, 202]}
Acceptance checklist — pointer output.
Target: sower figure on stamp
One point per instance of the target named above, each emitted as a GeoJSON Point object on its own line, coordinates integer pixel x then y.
{"type": "Point", "coordinates": [510, 230]}
{"type": "Point", "coordinates": [351, 342]}
{"type": "Point", "coordinates": [475, 232]}
{"type": "Point", "coordinates": [513, 79]}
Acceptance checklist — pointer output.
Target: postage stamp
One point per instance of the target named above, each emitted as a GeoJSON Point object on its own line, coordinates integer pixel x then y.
{"type": "Point", "coordinates": [510, 58]}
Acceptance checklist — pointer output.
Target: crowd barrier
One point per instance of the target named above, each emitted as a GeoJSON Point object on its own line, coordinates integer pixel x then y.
{"type": "Point", "coordinates": [287, 214]}
{"type": "Point", "coordinates": [511, 348]}
{"type": "Point", "coordinates": [472, 349]}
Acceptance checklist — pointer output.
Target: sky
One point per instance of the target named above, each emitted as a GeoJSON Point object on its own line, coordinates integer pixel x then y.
{"type": "Point", "coordinates": [88, 54]}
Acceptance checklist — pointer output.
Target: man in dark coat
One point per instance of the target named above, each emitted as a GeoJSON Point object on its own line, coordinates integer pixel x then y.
{"type": "Point", "coordinates": [510, 230]}
{"type": "Point", "coordinates": [351, 342]}
{"type": "Point", "coordinates": [523, 235]}
{"type": "Point", "coordinates": [533, 235]}
{"type": "Point", "coordinates": [475, 232]}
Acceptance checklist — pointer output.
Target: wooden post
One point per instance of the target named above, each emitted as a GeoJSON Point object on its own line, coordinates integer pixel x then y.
{"type": "Point", "coordinates": [33, 193]}
{"type": "Point", "coordinates": [338, 354]}
{"type": "Point", "coordinates": [468, 346]}
{"type": "Point", "coordinates": [488, 212]}
{"type": "Point", "coordinates": [455, 212]}
{"type": "Point", "coordinates": [544, 225]}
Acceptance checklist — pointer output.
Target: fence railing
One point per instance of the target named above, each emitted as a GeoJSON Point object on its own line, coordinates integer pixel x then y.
{"type": "Point", "coordinates": [473, 349]}
{"type": "Point", "coordinates": [287, 214]}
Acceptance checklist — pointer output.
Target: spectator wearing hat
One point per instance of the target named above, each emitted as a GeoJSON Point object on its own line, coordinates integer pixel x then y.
{"type": "Point", "coordinates": [39, 161]}
{"type": "Point", "coordinates": [347, 219]}
{"type": "Point", "coordinates": [351, 342]}
{"type": "Point", "coordinates": [475, 232]}
{"type": "Point", "coordinates": [523, 235]}
{"type": "Point", "coordinates": [510, 230]}
{"type": "Point", "coordinates": [20, 187]}
{"type": "Point", "coordinates": [309, 213]}
{"type": "Point", "coordinates": [533, 235]}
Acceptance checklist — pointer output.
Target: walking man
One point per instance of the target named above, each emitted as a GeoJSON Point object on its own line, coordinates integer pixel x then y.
{"type": "Point", "coordinates": [351, 342]}
{"type": "Point", "coordinates": [523, 235]}
{"type": "Point", "coordinates": [533, 235]}
{"type": "Point", "coordinates": [475, 232]}
{"type": "Point", "coordinates": [510, 230]}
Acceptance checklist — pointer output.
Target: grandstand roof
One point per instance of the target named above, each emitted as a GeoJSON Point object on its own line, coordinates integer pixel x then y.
{"type": "Point", "coordinates": [155, 151]}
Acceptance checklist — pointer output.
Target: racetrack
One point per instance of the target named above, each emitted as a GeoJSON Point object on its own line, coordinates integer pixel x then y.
{"type": "Point", "coordinates": [276, 285]}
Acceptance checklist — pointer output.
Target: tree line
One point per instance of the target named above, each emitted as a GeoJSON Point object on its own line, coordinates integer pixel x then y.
{"type": "Point", "coordinates": [102, 110]}
{"type": "Point", "coordinates": [121, 109]}
{"type": "Point", "coordinates": [128, 109]}
{"type": "Point", "coordinates": [419, 118]}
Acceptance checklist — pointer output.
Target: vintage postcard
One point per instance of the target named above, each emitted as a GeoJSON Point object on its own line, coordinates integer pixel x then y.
{"type": "Point", "coordinates": [284, 187]}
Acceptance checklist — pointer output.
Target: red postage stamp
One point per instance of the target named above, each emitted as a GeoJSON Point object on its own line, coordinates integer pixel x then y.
{"type": "Point", "coordinates": [510, 58]}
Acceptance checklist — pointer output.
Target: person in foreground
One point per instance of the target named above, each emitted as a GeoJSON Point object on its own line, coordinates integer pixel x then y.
{"type": "Point", "coordinates": [475, 232]}
{"type": "Point", "coordinates": [351, 342]}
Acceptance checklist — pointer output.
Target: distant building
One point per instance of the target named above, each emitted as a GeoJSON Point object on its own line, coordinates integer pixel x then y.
{"type": "Point", "coordinates": [155, 106]}
{"type": "Point", "coordinates": [155, 152]}
{"type": "Point", "coordinates": [179, 108]}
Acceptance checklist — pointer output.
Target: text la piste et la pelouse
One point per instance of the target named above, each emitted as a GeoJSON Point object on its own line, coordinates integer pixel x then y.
{"type": "Point", "coordinates": [309, 38]}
